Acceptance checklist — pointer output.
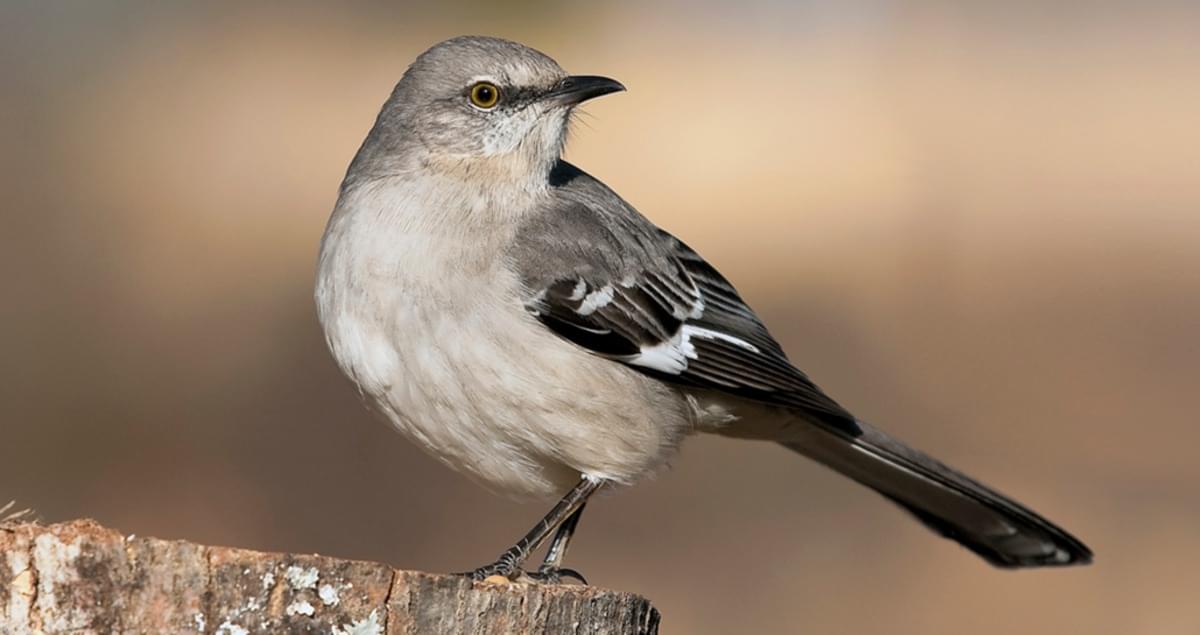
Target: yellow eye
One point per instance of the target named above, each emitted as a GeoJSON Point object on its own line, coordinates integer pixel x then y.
{"type": "Point", "coordinates": [485, 95]}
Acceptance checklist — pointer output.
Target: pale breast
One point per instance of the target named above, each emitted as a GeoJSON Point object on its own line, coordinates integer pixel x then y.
{"type": "Point", "coordinates": [432, 331]}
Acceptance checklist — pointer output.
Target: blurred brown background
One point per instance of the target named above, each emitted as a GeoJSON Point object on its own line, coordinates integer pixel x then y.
{"type": "Point", "coordinates": [977, 226]}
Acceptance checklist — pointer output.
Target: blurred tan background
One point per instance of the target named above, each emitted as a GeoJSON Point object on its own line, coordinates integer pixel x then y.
{"type": "Point", "coordinates": [978, 226]}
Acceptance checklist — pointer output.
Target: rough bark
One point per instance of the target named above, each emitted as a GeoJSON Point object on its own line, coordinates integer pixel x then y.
{"type": "Point", "coordinates": [80, 577]}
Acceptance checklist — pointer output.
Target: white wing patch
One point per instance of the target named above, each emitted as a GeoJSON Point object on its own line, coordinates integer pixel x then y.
{"type": "Point", "coordinates": [672, 355]}
{"type": "Point", "coordinates": [578, 291]}
{"type": "Point", "coordinates": [595, 300]}
{"type": "Point", "coordinates": [709, 334]}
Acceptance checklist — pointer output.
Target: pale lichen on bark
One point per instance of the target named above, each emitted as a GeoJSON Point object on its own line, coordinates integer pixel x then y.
{"type": "Point", "coordinates": [79, 577]}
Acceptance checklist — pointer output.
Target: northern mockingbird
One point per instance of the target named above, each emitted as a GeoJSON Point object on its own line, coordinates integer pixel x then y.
{"type": "Point", "coordinates": [522, 323]}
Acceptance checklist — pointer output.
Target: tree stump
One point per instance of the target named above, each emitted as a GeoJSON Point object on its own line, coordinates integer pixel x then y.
{"type": "Point", "coordinates": [80, 577]}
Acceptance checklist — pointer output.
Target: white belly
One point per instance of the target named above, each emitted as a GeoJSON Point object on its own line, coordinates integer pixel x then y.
{"type": "Point", "coordinates": [455, 363]}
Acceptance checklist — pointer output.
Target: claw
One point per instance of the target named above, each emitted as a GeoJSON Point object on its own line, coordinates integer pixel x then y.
{"type": "Point", "coordinates": [555, 575]}
{"type": "Point", "coordinates": [572, 573]}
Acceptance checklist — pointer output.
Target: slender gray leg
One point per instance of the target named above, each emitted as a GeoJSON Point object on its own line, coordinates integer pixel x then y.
{"type": "Point", "coordinates": [552, 570]}
{"type": "Point", "coordinates": [509, 563]}
{"type": "Point", "coordinates": [562, 538]}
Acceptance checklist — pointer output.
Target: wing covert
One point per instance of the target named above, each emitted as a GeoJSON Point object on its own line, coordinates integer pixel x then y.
{"type": "Point", "coordinates": [603, 277]}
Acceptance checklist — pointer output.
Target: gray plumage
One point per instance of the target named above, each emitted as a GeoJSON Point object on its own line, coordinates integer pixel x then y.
{"type": "Point", "coordinates": [527, 326]}
{"type": "Point", "coordinates": [586, 241]}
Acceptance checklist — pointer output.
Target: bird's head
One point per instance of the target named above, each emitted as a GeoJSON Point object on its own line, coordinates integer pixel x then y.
{"type": "Point", "coordinates": [481, 105]}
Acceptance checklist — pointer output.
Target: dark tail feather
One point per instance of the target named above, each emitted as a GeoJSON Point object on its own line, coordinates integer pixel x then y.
{"type": "Point", "coordinates": [999, 529]}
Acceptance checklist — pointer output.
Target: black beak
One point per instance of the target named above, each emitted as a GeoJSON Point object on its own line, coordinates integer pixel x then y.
{"type": "Point", "coordinates": [577, 89]}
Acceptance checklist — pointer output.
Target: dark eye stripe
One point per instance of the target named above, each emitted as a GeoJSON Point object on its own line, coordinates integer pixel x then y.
{"type": "Point", "coordinates": [509, 97]}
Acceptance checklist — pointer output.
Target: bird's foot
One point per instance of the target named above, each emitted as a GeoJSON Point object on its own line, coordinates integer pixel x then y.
{"type": "Point", "coordinates": [503, 572]}
{"type": "Point", "coordinates": [495, 572]}
{"type": "Point", "coordinates": [547, 574]}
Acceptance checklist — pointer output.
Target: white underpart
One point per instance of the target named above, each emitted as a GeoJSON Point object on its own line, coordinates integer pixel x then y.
{"type": "Point", "coordinates": [596, 300]}
{"type": "Point", "coordinates": [672, 355]}
{"type": "Point", "coordinates": [418, 304]}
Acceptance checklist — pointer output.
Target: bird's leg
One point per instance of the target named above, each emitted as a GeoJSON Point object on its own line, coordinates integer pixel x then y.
{"type": "Point", "coordinates": [509, 563]}
{"type": "Point", "coordinates": [552, 571]}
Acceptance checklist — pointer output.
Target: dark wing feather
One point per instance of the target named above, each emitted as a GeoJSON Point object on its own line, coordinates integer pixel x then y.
{"type": "Point", "coordinates": [558, 312]}
{"type": "Point", "coordinates": [726, 312]}
{"type": "Point", "coordinates": [624, 289]}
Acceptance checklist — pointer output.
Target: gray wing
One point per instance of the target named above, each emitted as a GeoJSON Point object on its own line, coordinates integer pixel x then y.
{"type": "Point", "coordinates": [605, 278]}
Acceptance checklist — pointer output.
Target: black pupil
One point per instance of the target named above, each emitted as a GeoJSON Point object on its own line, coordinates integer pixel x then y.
{"type": "Point", "coordinates": [483, 93]}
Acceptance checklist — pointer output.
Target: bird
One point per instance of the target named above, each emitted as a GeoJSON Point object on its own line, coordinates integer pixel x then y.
{"type": "Point", "coordinates": [525, 325]}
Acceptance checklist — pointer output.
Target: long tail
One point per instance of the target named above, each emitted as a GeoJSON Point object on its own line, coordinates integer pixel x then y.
{"type": "Point", "coordinates": [1001, 530]}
